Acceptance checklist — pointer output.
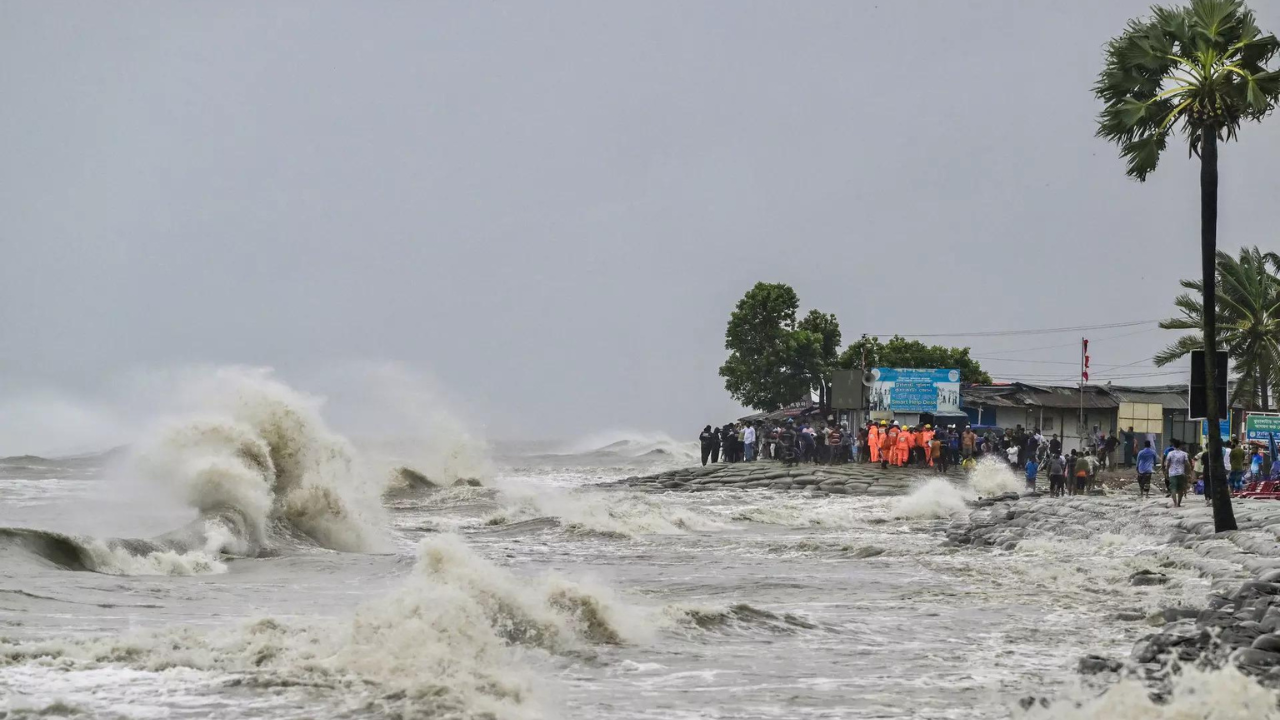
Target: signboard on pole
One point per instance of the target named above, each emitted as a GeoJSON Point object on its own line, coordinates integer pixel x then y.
{"type": "Point", "coordinates": [1262, 427]}
{"type": "Point", "coordinates": [911, 390]}
{"type": "Point", "coordinates": [1224, 429]}
{"type": "Point", "coordinates": [1197, 390]}
{"type": "Point", "coordinates": [847, 390]}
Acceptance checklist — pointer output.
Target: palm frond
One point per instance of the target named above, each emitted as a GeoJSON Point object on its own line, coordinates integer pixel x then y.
{"type": "Point", "coordinates": [1178, 350]}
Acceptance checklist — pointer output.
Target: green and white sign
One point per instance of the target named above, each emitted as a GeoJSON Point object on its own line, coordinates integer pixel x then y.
{"type": "Point", "coordinates": [1261, 427]}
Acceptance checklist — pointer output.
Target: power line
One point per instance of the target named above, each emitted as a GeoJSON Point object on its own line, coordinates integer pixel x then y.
{"type": "Point", "coordinates": [1058, 362]}
{"type": "Point", "coordinates": [1076, 378]}
{"type": "Point", "coordinates": [1040, 331]}
{"type": "Point", "coordinates": [1074, 344]}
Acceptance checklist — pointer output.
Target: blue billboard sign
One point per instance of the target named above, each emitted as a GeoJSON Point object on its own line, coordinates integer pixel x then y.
{"type": "Point", "coordinates": [911, 390]}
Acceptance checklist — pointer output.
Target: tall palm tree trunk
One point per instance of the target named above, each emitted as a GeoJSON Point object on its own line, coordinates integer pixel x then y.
{"type": "Point", "coordinates": [1215, 476]}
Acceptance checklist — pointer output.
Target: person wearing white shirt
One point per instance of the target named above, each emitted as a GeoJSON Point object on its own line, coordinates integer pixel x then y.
{"type": "Point", "coordinates": [749, 443]}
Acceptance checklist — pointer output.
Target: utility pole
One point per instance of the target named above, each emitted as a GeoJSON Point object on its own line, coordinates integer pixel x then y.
{"type": "Point", "coordinates": [1084, 378]}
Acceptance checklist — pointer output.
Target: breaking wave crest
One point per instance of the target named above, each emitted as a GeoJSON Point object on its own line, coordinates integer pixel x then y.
{"type": "Point", "coordinates": [110, 557]}
{"type": "Point", "coordinates": [454, 641]}
{"type": "Point", "coordinates": [261, 453]}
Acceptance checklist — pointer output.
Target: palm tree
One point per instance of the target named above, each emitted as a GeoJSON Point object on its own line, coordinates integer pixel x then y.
{"type": "Point", "coordinates": [1248, 321]}
{"type": "Point", "coordinates": [1202, 68]}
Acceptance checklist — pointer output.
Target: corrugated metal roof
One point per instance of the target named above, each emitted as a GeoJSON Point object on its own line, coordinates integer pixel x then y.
{"type": "Point", "coordinates": [1172, 397]}
{"type": "Point", "coordinates": [1047, 396]}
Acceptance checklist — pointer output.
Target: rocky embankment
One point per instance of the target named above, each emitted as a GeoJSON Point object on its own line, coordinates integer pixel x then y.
{"type": "Point", "coordinates": [1240, 623]}
{"type": "Point", "coordinates": [853, 479]}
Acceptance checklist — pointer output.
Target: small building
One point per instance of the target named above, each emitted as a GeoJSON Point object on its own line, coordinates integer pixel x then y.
{"type": "Point", "coordinates": [1053, 409]}
{"type": "Point", "coordinates": [1156, 410]}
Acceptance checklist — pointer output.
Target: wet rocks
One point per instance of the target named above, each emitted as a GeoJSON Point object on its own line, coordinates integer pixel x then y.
{"type": "Point", "coordinates": [1096, 664]}
{"type": "Point", "coordinates": [1269, 642]}
{"type": "Point", "coordinates": [1147, 577]}
{"type": "Point", "coordinates": [1129, 616]}
{"type": "Point", "coordinates": [408, 480]}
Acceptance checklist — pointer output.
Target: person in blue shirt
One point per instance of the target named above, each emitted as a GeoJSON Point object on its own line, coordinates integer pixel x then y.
{"type": "Point", "coordinates": [1146, 466]}
{"type": "Point", "coordinates": [1033, 469]}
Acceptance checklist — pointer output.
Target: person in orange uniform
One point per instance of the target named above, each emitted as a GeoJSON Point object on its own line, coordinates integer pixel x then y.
{"type": "Point", "coordinates": [926, 442]}
{"type": "Point", "coordinates": [873, 440]}
{"type": "Point", "coordinates": [913, 441]}
{"type": "Point", "coordinates": [904, 449]}
{"type": "Point", "coordinates": [894, 432]}
{"type": "Point", "coordinates": [887, 444]}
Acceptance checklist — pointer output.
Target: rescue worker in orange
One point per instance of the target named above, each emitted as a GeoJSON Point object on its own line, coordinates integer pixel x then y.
{"type": "Point", "coordinates": [904, 449]}
{"type": "Point", "coordinates": [873, 440]}
{"type": "Point", "coordinates": [894, 432]}
{"type": "Point", "coordinates": [913, 442]}
{"type": "Point", "coordinates": [887, 444]}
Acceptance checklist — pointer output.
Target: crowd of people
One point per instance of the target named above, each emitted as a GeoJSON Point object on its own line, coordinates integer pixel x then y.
{"type": "Point", "coordinates": [890, 444]}
{"type": "Point", "coordinates": [826, 443]}
{"type": "Point", "coordinates": [887, 443]}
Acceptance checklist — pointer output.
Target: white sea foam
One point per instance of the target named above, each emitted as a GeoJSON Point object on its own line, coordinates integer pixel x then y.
{"type": "Point", "coordinates": [115, 560]}
{"type": "Point", "coordinates": [992, 477]}
{"type": "Point", "coordinates": [629, 514]}
{"type": "Point", "coordinates": [456, 640]}
{"type": "Point", "coordinates": [935, 498]}
{"type": "Point", "coordinates": [792, 510]}
{"type": "Point", "coordinates": [415, 426]}
{"type": "Point", "coordinates": [1223, 694]}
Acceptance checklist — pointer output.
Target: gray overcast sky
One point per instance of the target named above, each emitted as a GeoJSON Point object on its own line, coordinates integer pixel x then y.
{"type": "Point", "coordinates": [552, 207]}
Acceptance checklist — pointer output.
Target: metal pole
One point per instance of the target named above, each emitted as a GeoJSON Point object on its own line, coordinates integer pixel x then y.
{"type": "Point", "coordinates": [1080, 429]}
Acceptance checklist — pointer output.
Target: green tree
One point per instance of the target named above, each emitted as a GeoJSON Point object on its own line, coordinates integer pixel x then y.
{"type": "Point", "coordinates": [1202, 69]}
{"type": "Point", "coordinates": [1248, 323]}
{"type": "Point", "coordinates": [774, 360]}
{"type": "Point", "coordinates": [818, 337]}
{"type": "Point", "coordinates": [899, 352]}
{"type": "Point", "coordinates": [764, 369]}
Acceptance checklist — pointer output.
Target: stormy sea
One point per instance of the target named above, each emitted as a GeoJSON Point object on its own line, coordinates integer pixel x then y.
{"type": "Point", "coordinates": [247, 561]}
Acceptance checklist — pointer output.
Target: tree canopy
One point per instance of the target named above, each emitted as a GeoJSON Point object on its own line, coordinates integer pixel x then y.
{"type": "Point", "coordinates": [773, 359]}
{"type": "Point", "coordinates": [902, 353]}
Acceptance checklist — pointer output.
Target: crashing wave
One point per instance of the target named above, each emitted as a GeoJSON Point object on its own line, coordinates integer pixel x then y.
{"type": "Point", "coordinates": [938, 498]}
{"type": "Point", "coordinates": [262, 471]}
{"type": "Point", "coordinates": [265, 453]}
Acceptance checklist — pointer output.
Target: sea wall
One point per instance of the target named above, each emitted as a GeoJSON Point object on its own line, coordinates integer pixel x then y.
{"type": "Point", "coordinates": [852, 479]}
